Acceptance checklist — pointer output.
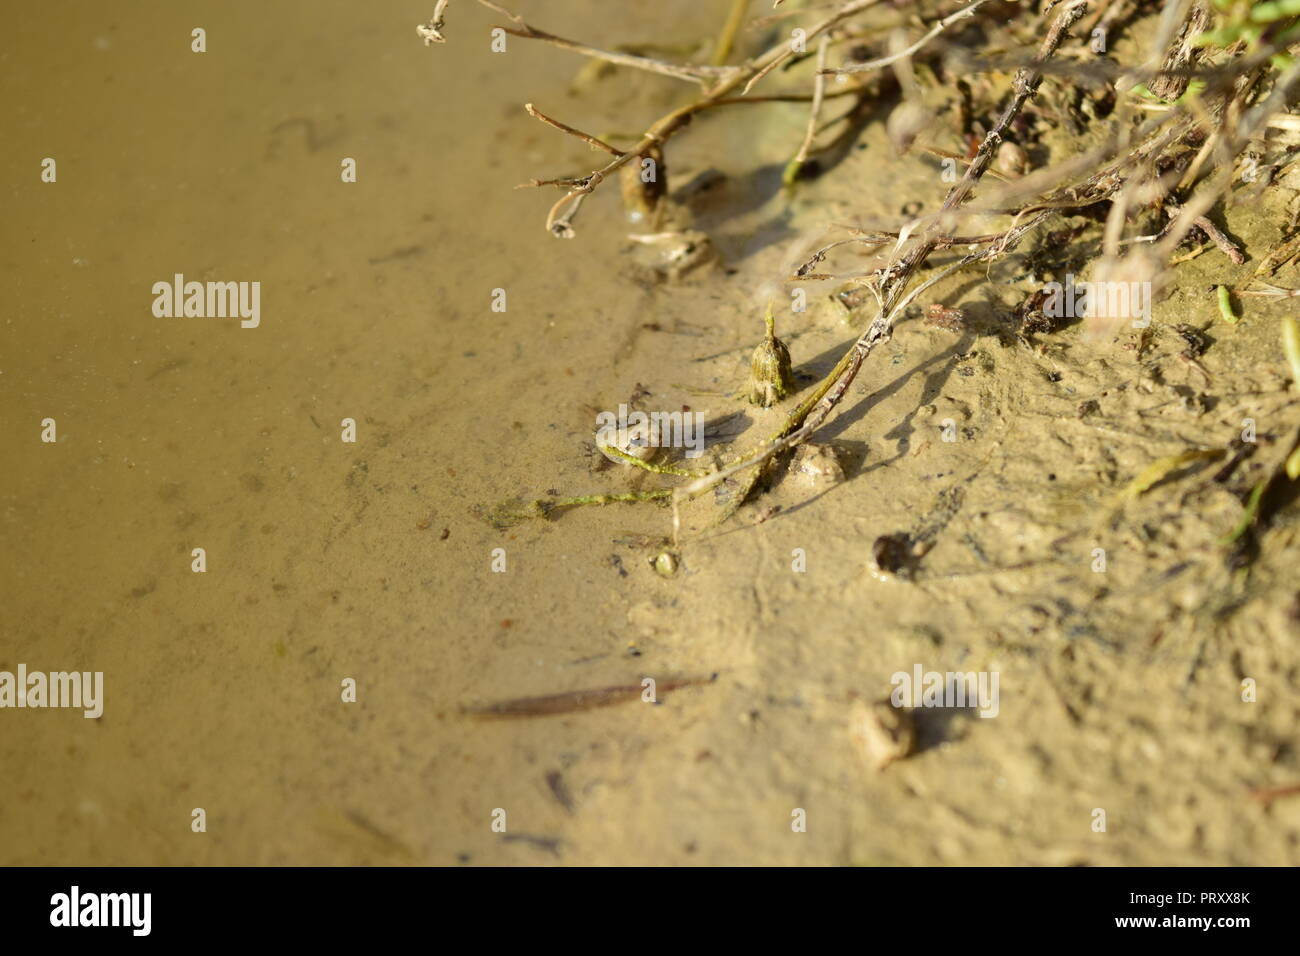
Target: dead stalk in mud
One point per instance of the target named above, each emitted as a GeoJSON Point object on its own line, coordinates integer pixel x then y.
{"type": "Point", "coordinates": [819, 92]}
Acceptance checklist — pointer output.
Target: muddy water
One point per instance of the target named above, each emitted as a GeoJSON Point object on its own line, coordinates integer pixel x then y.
{"type": "Point", "coordinates": [372, 561]}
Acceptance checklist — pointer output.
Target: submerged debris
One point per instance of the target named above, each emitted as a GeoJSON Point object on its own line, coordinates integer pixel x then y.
{"type": "Point", "coordinates": [575, 700]}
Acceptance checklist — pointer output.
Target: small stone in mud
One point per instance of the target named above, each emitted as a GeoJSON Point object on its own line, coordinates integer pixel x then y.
{"type": "Point", "coordinates": [816, 466]}
{"type": "Point", "coordinates": [1037, 322]}
{"type": "Point", "coordinates": [1195, 340]}
{"type": "Point", "coordinates": [1012, 160]}
{"type": "Point", "coordinates": [892, 553]}
{"type": "Point", "coordinates": [882, 732]}
{"type": "Point", "coordinates": [665, 564]}
{"type": "Point", "coordinates": [1033, 318]}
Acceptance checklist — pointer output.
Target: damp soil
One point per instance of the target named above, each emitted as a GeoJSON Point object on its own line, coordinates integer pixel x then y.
{"type": "Point", "coordinates": [1120, 689]}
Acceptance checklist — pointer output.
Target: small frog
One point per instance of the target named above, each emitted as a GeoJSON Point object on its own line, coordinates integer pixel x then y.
{"type": "Point", "coordinates": [677, 253]}
{"type": "Point", "coordinates": [635, 441]}
{"type": "Point", "coordinates": [816, 466]}
{"type": "Point", "coordinates": [630, 434]}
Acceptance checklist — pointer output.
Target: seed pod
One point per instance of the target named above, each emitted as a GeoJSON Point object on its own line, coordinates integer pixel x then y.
{"type": "Point", "coordinates": [644, 184]}
{"type": "Point", "coordinates": [771, 376]}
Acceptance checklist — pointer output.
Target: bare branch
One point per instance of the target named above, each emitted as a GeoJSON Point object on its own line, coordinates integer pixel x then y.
{"type": "Point", "coordinates": [682, 71]}
{"type": "Point", "coordinates": [962, 14]}
{"type": "Point", "coordinates": [564, 128]}
{"type": "Point", "coordinates": [431, 32]}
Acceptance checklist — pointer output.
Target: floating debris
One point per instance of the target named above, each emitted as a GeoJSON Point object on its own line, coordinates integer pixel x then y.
{"type": "Point", "coordinates": [577, 700]}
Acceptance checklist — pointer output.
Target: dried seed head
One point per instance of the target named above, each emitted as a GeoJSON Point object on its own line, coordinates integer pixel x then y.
{"type": "Point", "coordinates": [771, 376]}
